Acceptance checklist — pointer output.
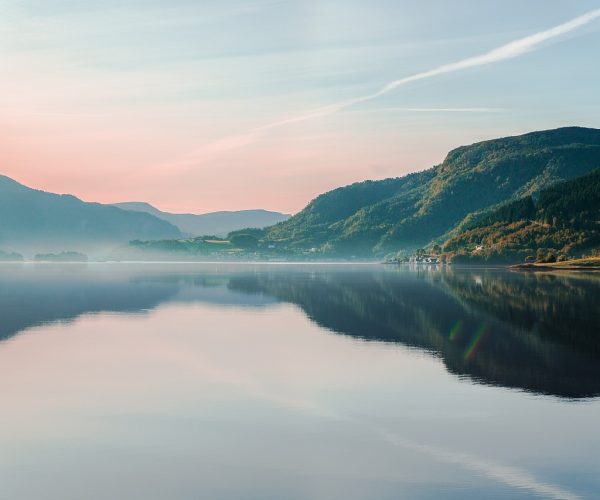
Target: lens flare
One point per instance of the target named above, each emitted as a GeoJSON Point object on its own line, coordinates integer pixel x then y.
{"type": "Point", "coordinates": [475, 341]}
{"type": "Point", "coordinates": [455, 330]}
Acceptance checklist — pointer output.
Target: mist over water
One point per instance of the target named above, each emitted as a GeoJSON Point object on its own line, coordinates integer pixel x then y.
{"type": "Point", "coordinates": [297, 381]}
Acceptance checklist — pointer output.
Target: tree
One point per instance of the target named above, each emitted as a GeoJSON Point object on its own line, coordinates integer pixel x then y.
{"type": "Point", "coordinates": [254, 231]}
{"type": "Point", "coordinates": [540, 256]}
{"type": "Point", "coordinates": [246, 241]}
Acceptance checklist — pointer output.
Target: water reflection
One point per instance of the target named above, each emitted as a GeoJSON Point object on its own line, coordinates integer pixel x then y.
{"type": "Point", "coordinates": [534, 332]}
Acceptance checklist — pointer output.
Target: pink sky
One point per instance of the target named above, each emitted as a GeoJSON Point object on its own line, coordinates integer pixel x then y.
{"type": "Point", "coordinates": [122, 158]}
{"type": "Point", "coordinates": [176, 104]}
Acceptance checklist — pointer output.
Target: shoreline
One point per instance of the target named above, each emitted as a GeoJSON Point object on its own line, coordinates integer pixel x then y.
{"type": "Point", "coordinates": [570, 265]}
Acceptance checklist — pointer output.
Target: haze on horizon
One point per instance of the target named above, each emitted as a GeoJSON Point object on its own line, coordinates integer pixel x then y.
{"type": "Point", "coordinates": [196, 107]}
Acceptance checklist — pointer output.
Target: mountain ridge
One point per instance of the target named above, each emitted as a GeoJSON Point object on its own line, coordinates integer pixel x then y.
{"type": "Point", "coordinates": [404, 213]}
{"type": "Point", "coordinates": [211, 223]}
{"type": "Point", "coordinates": [38, 220]}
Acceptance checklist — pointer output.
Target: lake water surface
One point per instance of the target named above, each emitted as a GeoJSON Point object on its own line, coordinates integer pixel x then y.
{"type": "Point", "coordinates": [217, 381]}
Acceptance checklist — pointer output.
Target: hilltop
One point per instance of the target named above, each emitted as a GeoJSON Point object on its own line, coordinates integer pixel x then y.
{"type": "Point", "coordinates": [401, 214]}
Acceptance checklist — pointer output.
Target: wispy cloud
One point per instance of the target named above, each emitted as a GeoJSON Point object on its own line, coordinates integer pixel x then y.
{"type": "Point", "coordinates": [504, 52]}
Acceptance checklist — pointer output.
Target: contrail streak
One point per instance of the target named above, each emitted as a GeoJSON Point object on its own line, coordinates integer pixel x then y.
{"type": "Point", "coordinates": [446, 110]}
{"type": "Point", "coordinates": [508, 51]}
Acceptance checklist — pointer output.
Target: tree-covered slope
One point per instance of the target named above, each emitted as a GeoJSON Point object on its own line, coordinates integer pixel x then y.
{"type": "Point", "coordinates": [563, 219]}
{"type": "Point", "coordinates": [377, 217]}
{"type": "Point", "coordinates": [336, 219]}
{"type": "Point", "coordinates": [41, 221]}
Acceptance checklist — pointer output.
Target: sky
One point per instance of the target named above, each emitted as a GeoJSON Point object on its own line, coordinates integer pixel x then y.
{"type": "Point", "coordinates": [197, 106]}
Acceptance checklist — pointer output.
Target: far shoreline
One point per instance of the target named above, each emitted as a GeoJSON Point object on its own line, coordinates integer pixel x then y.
{"type": "Point", "coordinates": [591, 264]}
{"type": "Point", "coordinates": [583, 264]}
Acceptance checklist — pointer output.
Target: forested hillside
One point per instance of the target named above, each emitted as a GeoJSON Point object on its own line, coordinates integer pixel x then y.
{"type": "Point", "coordinates": [562, 221]}
{"type": "Point", "coordinates": [402, 214]}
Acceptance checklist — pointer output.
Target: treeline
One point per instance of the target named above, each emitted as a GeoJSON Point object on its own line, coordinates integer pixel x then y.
{"type": "Point", "coordinates": [10, 256]}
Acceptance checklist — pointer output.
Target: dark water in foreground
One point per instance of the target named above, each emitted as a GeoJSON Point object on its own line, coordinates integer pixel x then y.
{"type": "Point", "coordinates": [297, 382]}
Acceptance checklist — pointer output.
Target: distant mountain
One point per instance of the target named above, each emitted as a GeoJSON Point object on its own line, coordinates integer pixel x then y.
{"type": "Point", "coordinates": [377, 217]}
{"type": "Point", "coordinates": [33, 221]}
{"type": "Point", "coordinates": [561, 220]}
{"type": "Point", "coordinates": [213, 223]}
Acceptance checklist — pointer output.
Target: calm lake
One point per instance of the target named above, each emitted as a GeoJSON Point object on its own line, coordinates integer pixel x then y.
{"type": "Point", "coordinates": [221, 381]}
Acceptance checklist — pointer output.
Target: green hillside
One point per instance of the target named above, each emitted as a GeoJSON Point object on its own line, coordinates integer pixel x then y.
{"type": "Point", "coordinates": [401, 214]}
{"type": "Point", "coordinates": [562, 220]}
{"type": "Point", "coordinates": [352, 218]}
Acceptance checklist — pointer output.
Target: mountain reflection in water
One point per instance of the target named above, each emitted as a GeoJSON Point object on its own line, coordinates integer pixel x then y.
{"type": "Point", "coordinates": [535, 332]}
